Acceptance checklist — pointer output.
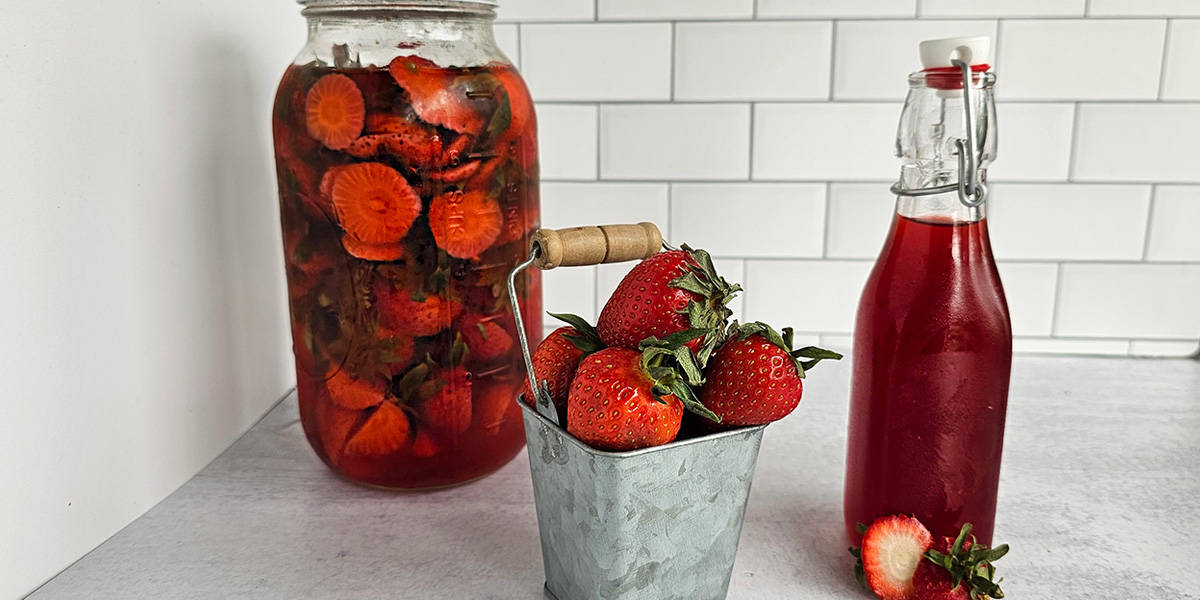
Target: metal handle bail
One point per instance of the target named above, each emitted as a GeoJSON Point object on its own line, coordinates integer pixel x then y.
{"type": "Point", "coordinates": [972, 192]}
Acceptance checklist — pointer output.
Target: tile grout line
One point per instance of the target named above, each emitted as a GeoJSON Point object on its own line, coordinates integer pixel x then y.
{"type": "Point", "coordinates": [891, 101]}
{"type": "Point", "coordinates": [828, 210]}
{"type": "Point", "coordinates": [519, 52]}
{"type": "Point", "coordinates": [1149, 222]}
{"type": "Point", "coordinates": [673, 60]}
{"type": "Point", "coordinates": [833, 29]}
{"type": "Point", "coordinates": [827, 18]}
{"type": "Point", "coordinates": [1057, 300]}
{"type": "Point", "coordinates": [750, 150]}
{"type": "Point", "coordinates": [753, 9]}
{"type": "Point", "coordinates": [1073, 157]}
{"type": "Point", "coordinates": [1162, 68]}
{"type": "Point", "coordinates": [598, 144]}
{"type": "Point", "coordinates": [1087, 8]}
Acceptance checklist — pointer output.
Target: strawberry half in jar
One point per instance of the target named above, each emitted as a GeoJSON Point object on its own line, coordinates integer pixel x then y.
{"type": "Point", "coordinates": [408, 190]}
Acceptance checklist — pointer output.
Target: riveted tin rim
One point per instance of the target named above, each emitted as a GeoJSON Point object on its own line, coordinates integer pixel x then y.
{"type": "Point", "coordinates": [631, 453]}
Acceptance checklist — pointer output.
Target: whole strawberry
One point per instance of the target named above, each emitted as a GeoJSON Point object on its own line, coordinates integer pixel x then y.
{"type": "Point", "coordinates": [485, 336]}
{"type": "Point", "coordinates": [447, 406]}
{"type": "Point", "coordinates": [414, 313]}
{"type": "Point", "coordinates": [555, 360]}
{"type": "Point", "coordinates": [755, 377]}
{"type": "Point", "coordinates": [958, 569]}
{"type": "Point", "coordinates": [667, 293]}
{"type": "Point", "coordinates": [623, 399]}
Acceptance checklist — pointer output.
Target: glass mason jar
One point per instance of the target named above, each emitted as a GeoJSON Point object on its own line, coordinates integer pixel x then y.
{"type": "Point", "coordinates": [932, 339]}
{"type": "Point", "coordinates": [406, 151]}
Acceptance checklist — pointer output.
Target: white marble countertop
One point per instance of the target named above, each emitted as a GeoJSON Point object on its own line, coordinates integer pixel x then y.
{"type": "Point", "coordinates": [1099, 498]}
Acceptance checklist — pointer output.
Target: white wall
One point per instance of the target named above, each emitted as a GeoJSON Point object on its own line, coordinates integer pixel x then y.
{"type": "Point", "coordinates": [142, 326]}
{"type": "Point", "coordinates": [695, 112]}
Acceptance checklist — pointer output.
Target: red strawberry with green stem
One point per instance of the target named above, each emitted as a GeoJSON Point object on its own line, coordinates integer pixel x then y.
{"type": "Point", "coordinates": [755, 377]}
{"type": "Point", "coordinates": [959, 569]}
{"type": "Point", "coordinates": [899, 560]}
{"type": "Point", "coordinates": [556, 358]}
{"type": "Point", "coordinates": [623, 399]}
{"type": "Point", "coordinates": [667, 293]}
{"type": "Point", "coordinates": [445, 396]}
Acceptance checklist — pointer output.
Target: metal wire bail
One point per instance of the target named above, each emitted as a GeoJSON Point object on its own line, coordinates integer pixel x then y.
{"type": "Point", "coordinates": [972, 192]}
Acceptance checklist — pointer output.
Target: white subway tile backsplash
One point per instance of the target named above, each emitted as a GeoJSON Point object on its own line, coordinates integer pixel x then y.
{"type": "Point", "coordinates": [873, 58]}
{"type": "Point", "coordinates": [1129, 301]}
{"type": "Point", "coordinates": [763, 131]}
{"type": "Point", "coordinates": [769, 9]}
{"type": "Point", "coordinates": [750, 219]}
{"type": "Point", "coordinates": [610, 275]}
{"type": "Point", "coordinates": [508, 40]}
{"type": "Point", "coordinates": [1180, 80]}
{"type": "Point", "coordinates": [1162, 349]}
{"type": "Point", "coordinates": [1144, 8]}
{"type": "Point", "coordinates": [838, 343]}
{"type": "Point", "coordinates": [1175, 224]}
{"type": "Point", "coordinates": [676, 9]}
{"type": "Point", "coordinates": [1080, 59]}
{"type": "Point", "coordinates": [1029, 289]}
{"type": "Point", "coordinates": [799, 141]}
{"type": "Point", "coordinates": [567, 141]}
{"type": "Point", "coordinates": [1068, 222]}
{"type": "Point", "coordinates": [601, 61]}
{"type": "Point", "coordinates": [674, 141]}
{"type": "Point", "coordinates": [1070, 346]}
{"type": "Point", "coordinates": [569, 290]}
{"type": "Point", "coordinates": [1007, 8]}
{"type": "Point", "coordinates": [607, 278]}
{"type": "Point", "coordinates": [573, 204]}
{"type": "Point", "coordinates": [1034, 141]}
{"type": "Point", "coordinates": [752, 60]}
{"type": "Point", "coordinates": [808, 295]}
{"type": "Point", "coordinates": [860, 215]}
{"type": "Point", "coordinates": [546, 10]}
{"type": "Point", "coordinates": [1137, 142]}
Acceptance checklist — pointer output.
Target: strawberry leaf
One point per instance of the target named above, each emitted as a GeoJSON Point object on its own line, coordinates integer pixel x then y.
{"type": "Point", "coordinates": [579, 323]}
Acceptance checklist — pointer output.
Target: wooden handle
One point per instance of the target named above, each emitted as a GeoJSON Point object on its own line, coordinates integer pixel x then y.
{"type": "Point", "coordinates": [593, 245]}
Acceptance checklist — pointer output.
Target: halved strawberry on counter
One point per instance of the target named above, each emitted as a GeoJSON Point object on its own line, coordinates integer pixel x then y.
{"type": "Point", "coordinates": [669, 292]}
{"type": "Point", "coordinates": [900, 560]}
{"type": "Point", "coordinates": [892, 547]}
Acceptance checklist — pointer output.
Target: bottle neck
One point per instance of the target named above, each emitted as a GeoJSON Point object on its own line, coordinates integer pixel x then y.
{"type": "Point", "coordinates": [939, 138]}
{"type": "Point", "coordinates": [939, 208]}
{"type": "Point", "coordinates": [372, 33]}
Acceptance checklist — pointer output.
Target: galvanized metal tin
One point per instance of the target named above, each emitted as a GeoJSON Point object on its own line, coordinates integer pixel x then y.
{"type": "Point", "coordinates": [660, 523]}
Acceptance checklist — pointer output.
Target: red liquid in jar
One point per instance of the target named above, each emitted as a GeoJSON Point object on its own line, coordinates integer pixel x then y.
{"type": "Point", "coordinates": [932, 356]}
{"type": "Point", "coordinates": [461, 145]}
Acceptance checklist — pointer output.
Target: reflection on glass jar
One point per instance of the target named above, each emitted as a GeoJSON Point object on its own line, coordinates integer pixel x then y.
{"type": "Point", "coordinates": [406, 151]}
